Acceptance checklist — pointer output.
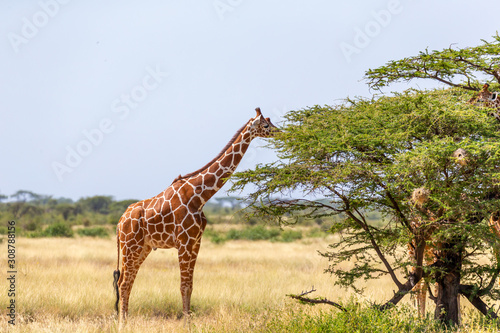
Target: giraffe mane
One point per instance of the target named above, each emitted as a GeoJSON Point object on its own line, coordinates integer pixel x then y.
{"type": "Point", "coordinates": [235, 136]}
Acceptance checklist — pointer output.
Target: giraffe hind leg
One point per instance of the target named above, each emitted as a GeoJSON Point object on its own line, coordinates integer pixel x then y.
{"type": "Point", "coordinates": [132, 261]}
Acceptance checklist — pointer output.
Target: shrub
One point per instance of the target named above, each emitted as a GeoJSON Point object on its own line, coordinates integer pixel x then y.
{"type": "Point", "coordinates": [215, 237]}
{"type": "Point", "coordinates": [234, 234]}
{"type": "Point", "coordinates": [253, 233]}
{"type": "Point", "coordinates": [57, 230]}
{"type": "Point", "coordinates": [3, 230]}
{"type": "Point", "coordinates": [290, 235]}
{"type": "Point", "coordinates": [86, 222]}
{"type": "Point", "coordinates": [316, 233]}
{"type": "Point", "coordinates": [358, 318]}
{"type": "Point", "coordinates": [31, 225]}
{"type": "Point", "coordinates": [94, 232]}
{"type": "Point", "coordinates": [114, 218]}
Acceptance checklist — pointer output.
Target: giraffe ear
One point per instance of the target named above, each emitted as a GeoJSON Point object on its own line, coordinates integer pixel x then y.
{"type": "Point", "coordinates": [256, 122]}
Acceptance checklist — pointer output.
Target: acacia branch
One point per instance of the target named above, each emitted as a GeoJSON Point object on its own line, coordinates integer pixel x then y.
{"type": "Point", "coordinates": [490, 286]}
{"type": "Point", "coordinates": [375, 246]}
{"type": "Point", "coordinates": [412, 280]}
{"type": "Point", "coordinates": [431, 295]}
{"type": "Point", "coordinates": [393, 201]}
{"type": "Point", "coordinates": [373, 242]}
{"type": "Point", "coordinates": [488, 70]}
{"type": "Point", "coordinates": [301, 298]}
{"type": "Point", "coordinates": [475, 299]}
{"type": "Point", "coordinates": [402, 292]}
{"type": "Point", "coordinates": [435, 77]}
{"type": "Point", "coordinates": [398, 210]}
{"type": "Point", "coordinates": [314, 204]}
{"type": "Point", "coordinates": [304, 204]}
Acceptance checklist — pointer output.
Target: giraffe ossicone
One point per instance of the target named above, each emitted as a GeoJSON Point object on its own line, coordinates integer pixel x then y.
{"type": "Point", "coordinates": [174, 218]}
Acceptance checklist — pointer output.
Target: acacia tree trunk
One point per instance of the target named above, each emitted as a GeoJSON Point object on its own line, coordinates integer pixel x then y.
{"type": "Point", "coordinates": [449, 264]}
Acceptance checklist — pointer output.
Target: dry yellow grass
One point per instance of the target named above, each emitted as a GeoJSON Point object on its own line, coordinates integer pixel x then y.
{"type": "Point", "coordinates": [65, 285]}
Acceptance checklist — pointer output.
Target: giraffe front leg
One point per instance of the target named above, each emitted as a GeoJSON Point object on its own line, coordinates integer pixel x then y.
{"type": "Point", "coordinates": [421, 291]}
{"type": "Point", "coordinates": [187, 261]}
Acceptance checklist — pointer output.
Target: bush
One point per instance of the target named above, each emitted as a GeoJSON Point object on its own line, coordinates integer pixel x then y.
{"type": "Point", "coordinates": [290, 235]}
{"type": "Point", "coordinates": [57, 230]}
{"type": "Point", "coordinates": [215, 237]}
{"type": "Point", "coordinates": [359, 318]}
{"type": "Point", "coordinates": [94, 232]}
{"type": "Point", "coordinates": [31, 225]}
{"type": "Point", "coordinates": [3, 230]}
{"type": "Point", "coordinates": [114, 218]}
{"type": "Point", "coordinates": [253, 233]}
{"type": "Point", "coordinates": [317, 233]}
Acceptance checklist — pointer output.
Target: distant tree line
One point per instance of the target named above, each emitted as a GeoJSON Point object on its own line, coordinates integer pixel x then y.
{"type": "Point", "coordinates": [33, 211]}
{"type": "Point", "coordinates": [43, 215]}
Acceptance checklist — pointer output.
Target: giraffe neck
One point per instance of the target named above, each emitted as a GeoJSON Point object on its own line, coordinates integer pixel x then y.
{"type": "Point", "coordinates": [212, 177]}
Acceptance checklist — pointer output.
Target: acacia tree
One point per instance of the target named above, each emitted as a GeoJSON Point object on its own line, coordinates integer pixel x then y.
{"type": "Point", "coordinates": [367, 155]}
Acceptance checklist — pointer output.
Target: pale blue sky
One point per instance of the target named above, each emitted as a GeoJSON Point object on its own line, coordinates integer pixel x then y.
{"type": "Point", "coordinates": [167, 83]}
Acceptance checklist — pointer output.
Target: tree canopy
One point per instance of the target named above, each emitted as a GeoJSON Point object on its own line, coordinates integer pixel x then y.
{"type": "Point", "coordinates": [371, 154]}
{"type": "Point", "coordinates": [466, 68]}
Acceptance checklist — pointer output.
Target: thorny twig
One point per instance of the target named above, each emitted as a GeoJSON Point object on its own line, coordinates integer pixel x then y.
{"type": "Point", "coordinates": [318, 300]}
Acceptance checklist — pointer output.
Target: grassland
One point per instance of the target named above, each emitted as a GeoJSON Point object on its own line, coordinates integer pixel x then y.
{"type": "Point", "coordinates": [65, 285]}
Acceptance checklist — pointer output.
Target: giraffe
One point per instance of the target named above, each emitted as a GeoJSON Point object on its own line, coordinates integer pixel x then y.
{"type": "Point", "coordinates": [425, 229]}
{"type": "Point", "coordinates": [490, 99]}
{"type": "Point", "coordinates": [483, 98]}
{"type": "Point", "coordinates": [419, 197]}
{"type": "Point", "coordinates": [174, 218]}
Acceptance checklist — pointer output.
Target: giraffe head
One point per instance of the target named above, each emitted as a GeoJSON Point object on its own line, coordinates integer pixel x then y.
{"type": "Point", "coordinates": [488, 99]}
{"type": "Point", "coordinates": [262, 127]}
{"type": "Point", "coordinates": [485, 97]}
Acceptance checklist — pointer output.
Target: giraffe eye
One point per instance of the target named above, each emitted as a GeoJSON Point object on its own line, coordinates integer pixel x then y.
{"type": "Point", "coordinates": [266, 125]}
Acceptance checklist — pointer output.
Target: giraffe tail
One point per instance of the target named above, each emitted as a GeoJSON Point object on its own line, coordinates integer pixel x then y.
{"type": "Point", "coordinates": [116, 275]}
